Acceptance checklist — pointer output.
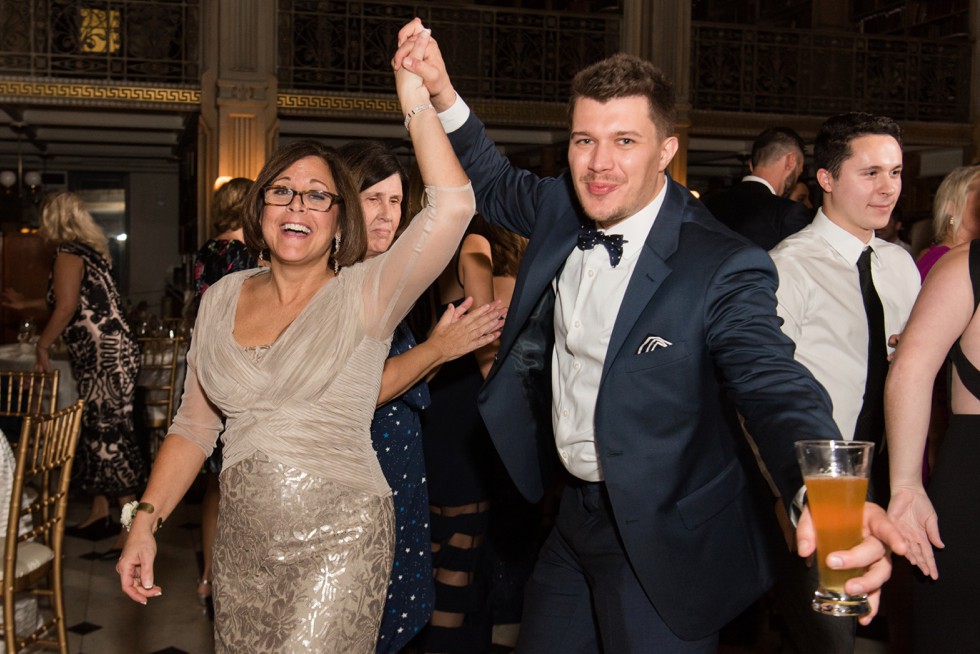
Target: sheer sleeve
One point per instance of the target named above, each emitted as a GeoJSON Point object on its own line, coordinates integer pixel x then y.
{"type": "Point", "coordinates": [197, 419]}
{"type": "Point", "coordinates": [398, 277]}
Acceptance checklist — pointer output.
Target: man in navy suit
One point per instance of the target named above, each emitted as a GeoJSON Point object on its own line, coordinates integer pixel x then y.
{"type": "Point", "coordinates": [758, 207]}
{"type": "Point", "coordinates": [622, 351]}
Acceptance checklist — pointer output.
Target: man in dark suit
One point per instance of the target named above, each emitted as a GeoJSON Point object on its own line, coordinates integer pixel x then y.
{"type": "Point", "coordinates": [625, 360]}
{"type": "Point", "coordinates": [758, 207]}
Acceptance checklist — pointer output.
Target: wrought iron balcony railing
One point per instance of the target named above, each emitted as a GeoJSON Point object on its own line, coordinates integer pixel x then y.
{"type": "Point", "coordinates": [744, 69]}
{"type": "Point", "coordinates": [146, 41]}
{"type": "Point", "coordinates": [343, 47]}
{"type": "Point", "coordinates": [493, 54]}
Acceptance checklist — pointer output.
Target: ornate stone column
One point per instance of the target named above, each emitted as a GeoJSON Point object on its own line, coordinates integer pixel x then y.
{"type": "Point", "coordinates": [238, 125]}
{"type": "Point", "coordinates": [660, 30]}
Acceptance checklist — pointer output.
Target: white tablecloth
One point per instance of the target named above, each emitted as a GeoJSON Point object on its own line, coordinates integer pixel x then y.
{"type": "Point", "coordinates": [25, 606]}
{"type": "Point", "coordinates": [14, 356]}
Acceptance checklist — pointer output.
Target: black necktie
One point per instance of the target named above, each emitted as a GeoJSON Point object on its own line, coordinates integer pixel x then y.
{"type": "Point", "coordinates": [589, 237]}
{"type": "Point", "coordinates": [871, 421]}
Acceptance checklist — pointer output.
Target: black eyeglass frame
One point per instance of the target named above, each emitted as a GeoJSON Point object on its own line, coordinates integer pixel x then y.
{"type": "Point", "coordinates": [334, 198]}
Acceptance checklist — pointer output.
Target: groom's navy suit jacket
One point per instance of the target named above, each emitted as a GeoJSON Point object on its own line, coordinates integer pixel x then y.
{"type": "Point", "coordinates": [696, 535]}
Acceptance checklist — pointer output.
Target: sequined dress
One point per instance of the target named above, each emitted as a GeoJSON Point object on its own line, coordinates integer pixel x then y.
{"type": "Point", "coordinates": [306, 525]}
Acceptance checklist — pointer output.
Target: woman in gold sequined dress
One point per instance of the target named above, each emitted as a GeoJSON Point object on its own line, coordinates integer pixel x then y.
{"type": "Point", "coordinates": [292, 356]}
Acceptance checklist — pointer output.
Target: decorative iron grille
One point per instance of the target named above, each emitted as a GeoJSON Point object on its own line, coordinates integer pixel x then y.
{"type": "Point", "coordinates": [744, 69]}
{"type": "Point", "coordinates": [493, 54]}
{"type": "Point", "coordinates": [119, 40]}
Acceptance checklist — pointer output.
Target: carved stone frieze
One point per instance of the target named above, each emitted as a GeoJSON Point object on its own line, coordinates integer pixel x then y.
{"type": "Point", "coordinates": [242, 92]}
{"type": "Point", "coordinates": [550, 115]}
{"type": "Point", "coordinates": [98, 93]}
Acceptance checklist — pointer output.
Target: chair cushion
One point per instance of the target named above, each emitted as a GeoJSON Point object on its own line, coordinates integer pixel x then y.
{"type": "Point", "coordinates": [30, 557]}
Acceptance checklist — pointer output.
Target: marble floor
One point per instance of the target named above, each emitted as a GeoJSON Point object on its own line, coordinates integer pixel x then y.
{"type": "Point", "coordinates": [101, 620]}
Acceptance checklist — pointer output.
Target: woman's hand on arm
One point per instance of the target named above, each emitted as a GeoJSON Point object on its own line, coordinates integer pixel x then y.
{"type": "Point", "coordinates": [458, 332]}
{"type": "Point", "coordinates": [66, 282]}
{"type": "Point", "coordinates": [177, 464]}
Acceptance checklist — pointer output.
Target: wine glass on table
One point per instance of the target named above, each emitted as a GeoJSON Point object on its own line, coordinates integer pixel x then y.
{"type": "Point", "coordinates": [26, 329]}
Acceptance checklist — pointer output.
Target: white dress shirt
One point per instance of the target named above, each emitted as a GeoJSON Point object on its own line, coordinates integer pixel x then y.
{"type": "Point", "coordinates": [823, 312]}
{"type": "Point", "coordinates": [588, 294]}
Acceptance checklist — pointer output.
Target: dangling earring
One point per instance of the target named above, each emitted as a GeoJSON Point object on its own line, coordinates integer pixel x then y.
{"type": "Point", "coordinates": [336, 249]}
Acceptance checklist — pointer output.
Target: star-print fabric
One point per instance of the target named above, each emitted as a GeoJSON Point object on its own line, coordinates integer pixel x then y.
{"type": "Point", "coordinates": [397, 436]}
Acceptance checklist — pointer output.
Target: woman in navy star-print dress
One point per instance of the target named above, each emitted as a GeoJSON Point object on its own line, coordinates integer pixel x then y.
{"type": "Point", "coordinates": [396, 431]}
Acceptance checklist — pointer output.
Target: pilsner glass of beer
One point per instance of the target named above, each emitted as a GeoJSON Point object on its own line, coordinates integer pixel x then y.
{"type": "Point", "coordinates": [836, 476]}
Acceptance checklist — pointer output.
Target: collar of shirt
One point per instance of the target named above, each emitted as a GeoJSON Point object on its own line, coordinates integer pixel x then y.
{"type": "Point", "coordinates": [847, 245]}
{"type": "Point", "coordinates": [636, 228]}
{"type": "Point", "coordinates": [753, 178]}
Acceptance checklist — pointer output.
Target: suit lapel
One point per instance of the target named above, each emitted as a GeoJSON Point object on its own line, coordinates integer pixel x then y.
{"type": "Point", "coordinates": [651, 268]}
{"type": "Point", "coordinates": [544, 258]}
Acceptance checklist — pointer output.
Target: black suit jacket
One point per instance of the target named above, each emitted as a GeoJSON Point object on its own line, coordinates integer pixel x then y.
{"type": "Point", "coordinates": [695, 534]}
{"type": "Point", "coordinates": [753, 211]}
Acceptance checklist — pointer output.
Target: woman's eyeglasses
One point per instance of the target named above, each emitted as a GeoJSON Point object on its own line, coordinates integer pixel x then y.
{"type": "Point", "coordinates": [313, 200]}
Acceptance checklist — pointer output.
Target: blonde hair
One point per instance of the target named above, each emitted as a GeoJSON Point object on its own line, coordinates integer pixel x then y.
{"type": "Point", "coordinates": [63, 220]}
{"type": "Point", "coordinates": [947, 208]}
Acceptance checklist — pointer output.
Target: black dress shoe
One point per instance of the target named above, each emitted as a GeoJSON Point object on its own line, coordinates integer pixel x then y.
{"type": "Point", "coordinates": [112, 554]}
{"type": "Point", "coordinates": [95, 531]}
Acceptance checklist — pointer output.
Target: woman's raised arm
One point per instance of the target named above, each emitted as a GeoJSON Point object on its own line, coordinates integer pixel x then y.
{"type": "Point", "coordinates": [423, 251]}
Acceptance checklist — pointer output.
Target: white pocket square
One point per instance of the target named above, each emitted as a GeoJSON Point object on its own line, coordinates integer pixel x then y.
{"type": "Point", "coordinates": [651, 343]}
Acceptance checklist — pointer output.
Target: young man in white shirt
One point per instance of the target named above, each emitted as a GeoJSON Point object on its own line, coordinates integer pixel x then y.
{"type": "Point", "coordinates": [820, 299]}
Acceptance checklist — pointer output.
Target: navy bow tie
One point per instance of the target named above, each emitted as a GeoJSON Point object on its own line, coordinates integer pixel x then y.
{"type": "Point", "coordinates": [589, 237]}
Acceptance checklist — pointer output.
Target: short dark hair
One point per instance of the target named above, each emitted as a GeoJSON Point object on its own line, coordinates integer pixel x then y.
{"type": "Point", "coordinates": [774, 143]}
{"type": "Point", "coordinates": [350, 220]}
{"type": "Point", "coordinates": [832, 146]}
{"type": "Point", "coordinates": [371, 162]}
{"type": "Point", "coordinates": [227, 205]}
{"type": "Point", "coordinates": [624, 76]}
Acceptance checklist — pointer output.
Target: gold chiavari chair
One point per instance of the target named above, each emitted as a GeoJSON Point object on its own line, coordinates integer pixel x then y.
{"type": "Point", "coordinates": [162, 357]}
{"type": "Point", "coordinates": [32, 558]}
{"type": "Point", "coordinates": [27, 393]}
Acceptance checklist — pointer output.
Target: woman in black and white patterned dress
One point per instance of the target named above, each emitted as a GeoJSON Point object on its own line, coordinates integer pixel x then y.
{"type": "Point", "coordinates": [86, 312]}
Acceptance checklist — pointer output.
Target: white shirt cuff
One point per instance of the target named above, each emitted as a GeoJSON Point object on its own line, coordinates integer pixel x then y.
{"type": "Point", "coordinates": [799, 501]}
{"type": "Point", "coordinates": [454, 117]}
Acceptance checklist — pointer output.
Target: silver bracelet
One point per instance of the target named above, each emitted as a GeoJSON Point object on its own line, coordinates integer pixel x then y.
{"type": "Point", "coordinates": [416, 110]}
